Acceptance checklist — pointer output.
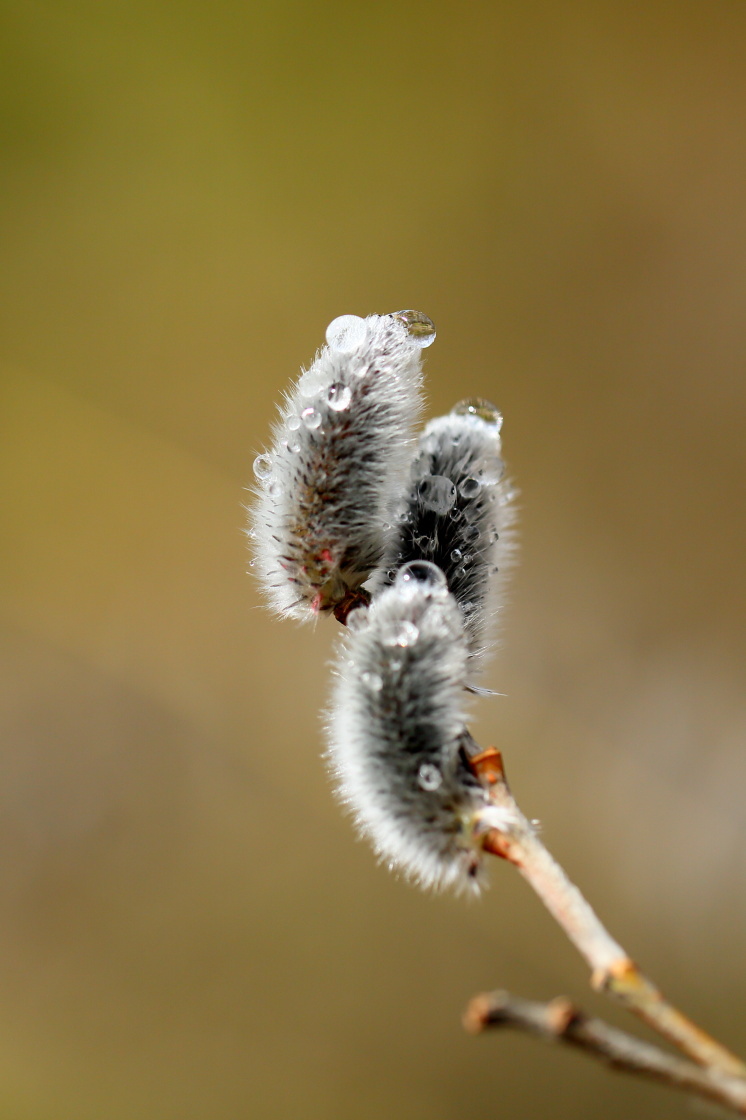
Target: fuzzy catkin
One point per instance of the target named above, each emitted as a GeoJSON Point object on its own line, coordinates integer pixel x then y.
{"type": "Point", "coordinates": [327, 488]}
{"type": "Point", "coordinates": [458, 513]}
{"type": "Point", "coordinates": [397, 730]}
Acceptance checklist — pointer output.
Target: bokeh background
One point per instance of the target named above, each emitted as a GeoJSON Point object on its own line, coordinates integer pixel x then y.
{"type": "Point", "coordinates": [190, 192]}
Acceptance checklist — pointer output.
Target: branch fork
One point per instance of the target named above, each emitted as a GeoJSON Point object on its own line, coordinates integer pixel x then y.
{"type": "Point", "coordinates": [712, 1071]}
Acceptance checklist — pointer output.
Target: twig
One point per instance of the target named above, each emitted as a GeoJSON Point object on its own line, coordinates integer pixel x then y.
{"type": "Point", "coordinates": [613, 971]}
{"type": "Point", "coordinates": [560, 1021]}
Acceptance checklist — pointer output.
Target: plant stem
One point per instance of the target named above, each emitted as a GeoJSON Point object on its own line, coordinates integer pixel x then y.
{"type": "Point", "coordinates": [613, 971]}
{"type": "Point", "coordinates": [560, 1021]}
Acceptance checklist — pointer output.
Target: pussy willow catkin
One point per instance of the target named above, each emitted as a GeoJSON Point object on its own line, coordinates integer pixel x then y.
{"type": "Point", "coordinates": [457, 512]}
{"type": "Point", "coordinates": [397, 731]}
{"type": "Point", "coordinates": [350, 510]}
{"type": "Point", "coordinates": [328, 485]}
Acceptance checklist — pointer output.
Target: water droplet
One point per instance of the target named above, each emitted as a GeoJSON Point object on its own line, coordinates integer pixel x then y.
{"type": "Point", "coordinates": [472, 533]}
{"type": "Point", "coordinates": [310, 384]}
{"type": "Point", "coordinates": [436, 492]}
{"type": "Point", "coordinates": [404, 517]}
{"type": "Point", "coordinates": [372, 681]}
{"type": "Point", "coordinates": [478, 406]}
{"type": "Point", "coordinates": [358, 620]}
{"type": "Point", "coordinates": [346, 333]}
{"type": "Point", "coordinates": [311, 418]}
{"type": "Point", "coordinates": [421, 573]}
{"type": "Point", "coordinates": [420, 328]}
{"type": "Point", "coordinates": [262, 467]}
{"type": "Point", "coordinates": [429, 777]}
{"type": "Point", "coordinates": [293, 423]}
{"type": "Point", "coordinates": [399, 632]}
{"type": "Point", "coordinates": [469, 487]}
{"type": "Point", "coordinates": [252, 563]}
{"type": "Point", "coordinates": [456, 555]}
{"type": "Point", "coordinates": [339, 396]}
{"type": "Point", "coordinates": [455, 514]}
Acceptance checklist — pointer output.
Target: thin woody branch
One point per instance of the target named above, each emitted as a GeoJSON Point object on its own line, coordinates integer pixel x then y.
{"type": "Point", "coordinates": [613, 971]}
{"type": "Point", "coordinates": [561, 1021]}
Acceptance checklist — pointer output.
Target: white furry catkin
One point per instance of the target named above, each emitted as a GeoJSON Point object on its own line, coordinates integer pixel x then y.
{"type": "Point", "coordinates": [457, 513]}
{"type": "Point", "coordinates": [397, 731]}
{"type": "Point", "coordinates": [328, 486]}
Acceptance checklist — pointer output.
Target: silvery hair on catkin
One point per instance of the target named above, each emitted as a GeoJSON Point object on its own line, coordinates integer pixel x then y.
{"type": "Point", "coordinates": [341, 447]}
{"type": "Point", "coordinates": [397, 730]}
{"type": "Point", "coordinates": [458, 512]}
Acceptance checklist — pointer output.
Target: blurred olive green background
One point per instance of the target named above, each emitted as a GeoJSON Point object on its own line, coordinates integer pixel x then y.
{"type": "Point", "coordinates": [190, 192]}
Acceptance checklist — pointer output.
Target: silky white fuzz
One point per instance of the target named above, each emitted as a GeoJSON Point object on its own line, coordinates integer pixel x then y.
{"type": "Point", "coordinates": [397, 730]}
{"type": "Point", "coordinates": [458, 513]}
{"type": "Point", "coordinates": [338, 463]}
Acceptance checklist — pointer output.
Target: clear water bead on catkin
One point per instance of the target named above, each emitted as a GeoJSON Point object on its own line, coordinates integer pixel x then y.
{"type": "Point", "coordinates": [346, 333]}
{"type": "Point", "coordinates": [311, 418]}
{"type": "Point", "coordinates": [399, 633]}
{"type": "Point", "coordinates": [469, 487]}
{"type": "Point", "coordinates": [293, 423]}
{"type": "Point", "coordinates": [420, 328]}
{"type": "Point", "coordinates": [262, 467]}
{"type": "Point", "coordinates": [421, 573]}
{"type": "Point", "coordinates": [436, 492]}
{"type": "Point", "coordinates": [429, 777]}
{"type": "Point", "coordinates": [372, 681]}
{"type": "Point", "coordinates": [339, 396]}
{"type": "Point", "coordinates": [478, 406]}
{"type": "Point", "coordinates": [358, 620]}
{"type": "Point", "coordinates": [310, 384]}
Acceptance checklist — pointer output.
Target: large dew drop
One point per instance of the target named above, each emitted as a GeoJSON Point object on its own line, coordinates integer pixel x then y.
{"type": "Point", "coordinates": [262, 467]}
{"type": "Point", "coordinates": [420, 328]}
{"type": "Point", "coordinates": [421, 573]}
{"type": "Point", "coordinates": [311, 418]}
{"type": "Point", "coordinates": [436, 492]}
{"type": "Point", "coordinates": [478, 406]}
{"type": "Point", "coordinates": [346, 333]}
{"type": "Point", "coordinates": [339, 396]}
{"type": "Point", "coordinates": [470, 487]}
